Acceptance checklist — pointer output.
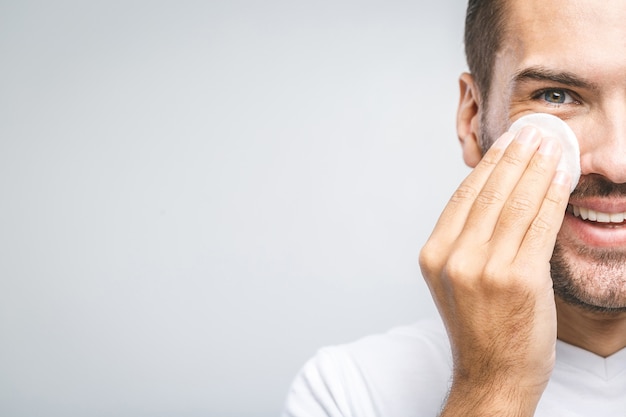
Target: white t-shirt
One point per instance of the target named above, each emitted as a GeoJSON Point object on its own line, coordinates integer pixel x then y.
{"type": "Point", "coordinates": [407, 371]}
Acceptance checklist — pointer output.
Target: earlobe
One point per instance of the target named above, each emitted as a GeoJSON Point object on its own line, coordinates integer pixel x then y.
{"type": "Point", "coordinates": [472, 153]}
{"type": "Point", "coordinates": [467, 121]}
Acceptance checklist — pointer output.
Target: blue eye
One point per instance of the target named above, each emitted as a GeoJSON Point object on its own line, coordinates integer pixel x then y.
{"type": "Point", "coordinates": [554, 96]}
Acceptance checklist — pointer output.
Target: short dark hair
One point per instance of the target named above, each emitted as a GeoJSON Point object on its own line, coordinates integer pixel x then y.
{"type": "Point", "coordinates": [484, 29]}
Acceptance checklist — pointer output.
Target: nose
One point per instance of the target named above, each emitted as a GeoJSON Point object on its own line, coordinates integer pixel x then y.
{"type": "Point", "coordinates": [602, 141]}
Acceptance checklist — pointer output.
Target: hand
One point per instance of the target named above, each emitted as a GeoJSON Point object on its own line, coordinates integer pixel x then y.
{"type": "Point", "coordinates": [487, 264]}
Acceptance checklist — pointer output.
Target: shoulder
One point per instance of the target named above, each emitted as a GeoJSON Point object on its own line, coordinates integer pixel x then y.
{"type": "Point", "coordinates": [426, 336]}
{"type": "Point", "coordinates": [382, 374]}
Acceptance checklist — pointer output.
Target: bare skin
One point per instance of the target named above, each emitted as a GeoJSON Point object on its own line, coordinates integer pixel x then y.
{"type": "Point", "coordinates": [487, 262]}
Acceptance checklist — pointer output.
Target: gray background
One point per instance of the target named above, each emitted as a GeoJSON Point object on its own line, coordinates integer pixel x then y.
{"type": "Point", "coordinates": [195, 196]}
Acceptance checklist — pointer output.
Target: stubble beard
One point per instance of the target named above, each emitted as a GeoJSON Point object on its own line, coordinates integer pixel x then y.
{"type": "Point", "coordinates": [591, 278]}
{"type": "Point", "coordinates": [598, 283]}
{"type": "Point", "coordinates": [598, 286]}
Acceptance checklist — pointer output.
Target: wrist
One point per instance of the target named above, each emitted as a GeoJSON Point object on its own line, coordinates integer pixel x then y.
{"type": "Point", "coordinates": [493, 397]}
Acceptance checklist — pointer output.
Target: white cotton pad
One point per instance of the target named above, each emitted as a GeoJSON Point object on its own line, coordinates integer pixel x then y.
{"type": "Point", "coordinates": [554, 127]}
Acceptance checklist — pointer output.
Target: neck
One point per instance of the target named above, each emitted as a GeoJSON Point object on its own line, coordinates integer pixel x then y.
{"type": "Point", "coordinates": [599, 332]}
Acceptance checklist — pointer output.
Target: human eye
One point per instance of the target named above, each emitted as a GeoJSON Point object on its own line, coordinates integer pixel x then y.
{"type": "Point", "coordinates": [555, 96]}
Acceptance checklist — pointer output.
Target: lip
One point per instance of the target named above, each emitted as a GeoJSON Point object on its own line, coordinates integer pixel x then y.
{"type": "Point", "coordinates": [601, 204]}
{"type": "Point", "coordinates": [595, 234]}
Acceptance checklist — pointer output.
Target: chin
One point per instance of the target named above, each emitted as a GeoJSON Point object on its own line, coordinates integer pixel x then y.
{"type": "Point", "coordinates": [594, 280]}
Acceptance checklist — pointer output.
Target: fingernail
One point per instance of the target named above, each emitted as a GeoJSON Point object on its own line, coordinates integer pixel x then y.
{"type": "Point", "coordinates": [504, 140]}
{"type": "Point", "coordinates": [527, 135]}
{"type": "Point", "coordinates": [563, 178]}
{"type": "Point", "coordinates": [549, 146]}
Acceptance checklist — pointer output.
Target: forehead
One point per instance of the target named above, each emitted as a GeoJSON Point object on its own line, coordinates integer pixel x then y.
{"type": "Point", "coordinates": [582, 34]}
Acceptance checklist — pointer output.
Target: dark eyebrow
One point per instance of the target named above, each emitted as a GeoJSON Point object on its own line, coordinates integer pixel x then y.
{"type": "Point", "coordinates": [539, 73]}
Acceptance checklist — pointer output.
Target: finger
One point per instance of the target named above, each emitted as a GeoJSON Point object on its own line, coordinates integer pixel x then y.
{"type": "Point", "coordinates": [526, 200]}
{"type": "Point", "coordinates": [483, 217]}
{"type": "Point", "coordinates": [540, 237]}
{"type": "Point", "coordinates": [434, 254]}
{"type": "Point", "coordinates": [454, 215]}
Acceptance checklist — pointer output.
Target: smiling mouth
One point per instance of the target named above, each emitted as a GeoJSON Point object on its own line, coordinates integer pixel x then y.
{"type": "Point", "coordinates": [596, 216]}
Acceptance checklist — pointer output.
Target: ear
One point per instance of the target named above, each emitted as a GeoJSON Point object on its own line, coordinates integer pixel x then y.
{"type": "Point", "coordinates": [467, 120]}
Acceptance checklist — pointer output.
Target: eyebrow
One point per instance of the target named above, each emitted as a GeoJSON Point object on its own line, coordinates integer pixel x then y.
{"type": "Point", "coordinates": [539, 73]}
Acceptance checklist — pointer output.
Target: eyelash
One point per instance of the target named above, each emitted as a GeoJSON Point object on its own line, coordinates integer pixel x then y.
{"type": "Point", "coordinates": [539, 96]}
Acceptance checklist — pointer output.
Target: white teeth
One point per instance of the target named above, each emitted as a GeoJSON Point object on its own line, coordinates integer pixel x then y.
{"type": "Point", "coordinates": [584, 213]}
{"type": "Point", "coordinates": [593, 215]}
{"type": "Point", "coordinates": [598, 216]}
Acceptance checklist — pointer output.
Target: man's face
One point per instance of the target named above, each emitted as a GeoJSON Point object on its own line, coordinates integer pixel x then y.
{"type": "Point", "coordinates": [568, 58]}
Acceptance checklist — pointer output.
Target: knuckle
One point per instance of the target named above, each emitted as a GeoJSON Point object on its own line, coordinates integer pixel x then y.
{"type": "Point", "coordinates": [556, 198]}
{"type": "Point", "coordinates": [492, 273]}
{"type": "Point", "coordinates": [541, 226]}
{"type": "Point", "coordinates": [463, 193]}
{"type": "Point", "coordinates": [489, 196]}
{"type": "Point", "coordinates": [513, 159]}
{"type": "Point", "coordinates": [496, 277]}
{"type": "Point", "coordinates": [540, 167]}
{"type": "Point", "coordinates": [521, 204]}
{"type": "Point", "coordinates": [490, 159]}
{"type": "Point", "coordinates": [504, 279]}
{"type": "Point", "coordinates": [428, 259]}
{"type": "Point", "coordinates": [459, 267]}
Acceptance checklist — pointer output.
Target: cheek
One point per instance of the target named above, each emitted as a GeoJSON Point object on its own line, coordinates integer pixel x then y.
{"type": "Point", "coordinates": [495, 118]}
{"type": "Point", "coordinates": [491, 128]}
{"type": "Point", "coordinates": [496, 112]}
